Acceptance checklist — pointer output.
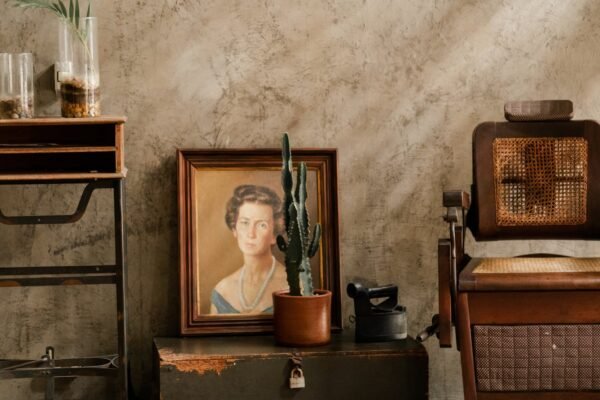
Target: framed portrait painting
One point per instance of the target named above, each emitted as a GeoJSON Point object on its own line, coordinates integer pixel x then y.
{"type": "Point", "coordinates": [230, 213]}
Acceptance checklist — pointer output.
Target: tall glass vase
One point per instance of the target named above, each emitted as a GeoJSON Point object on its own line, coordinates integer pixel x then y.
{"type": "Point", "coordinates": [79, 74]}
{"type": "Point", "coordinates": [16, 85]}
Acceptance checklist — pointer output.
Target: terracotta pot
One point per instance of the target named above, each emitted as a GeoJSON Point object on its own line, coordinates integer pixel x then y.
{"type": "Point", "coordinates": [302, 320]}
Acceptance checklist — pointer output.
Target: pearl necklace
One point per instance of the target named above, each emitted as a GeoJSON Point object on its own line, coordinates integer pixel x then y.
{"type": "Point", "coordinates": [261, 291]}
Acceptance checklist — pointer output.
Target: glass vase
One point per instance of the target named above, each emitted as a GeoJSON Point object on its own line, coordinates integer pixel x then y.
{"type": "Point", "coordinates": [79, 73]}
{"type": "Point", "coordinates": [16, 85]}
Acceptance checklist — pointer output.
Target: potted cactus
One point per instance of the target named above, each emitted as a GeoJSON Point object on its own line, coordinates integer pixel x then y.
{"type": "Point", "coordinates": [302, 315]}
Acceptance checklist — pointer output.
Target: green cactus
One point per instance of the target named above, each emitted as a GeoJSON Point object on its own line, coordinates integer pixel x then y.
{"type": "Point", "coordinates": [299, 247]}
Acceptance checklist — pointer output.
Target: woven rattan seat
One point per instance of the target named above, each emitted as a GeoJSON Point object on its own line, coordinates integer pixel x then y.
{"type": "Point", "coordinates": [538, 265]}
{"type": "Point", "coordinates": [531, 273]}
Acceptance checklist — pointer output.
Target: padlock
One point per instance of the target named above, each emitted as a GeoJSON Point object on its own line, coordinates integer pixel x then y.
{"type": "Point", "coordinates": [297, 378]}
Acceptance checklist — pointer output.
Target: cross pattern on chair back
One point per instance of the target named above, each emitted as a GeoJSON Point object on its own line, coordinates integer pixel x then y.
{"type": "Point", "coordinates": [536, 180]}
{"type": "Point", "coordinates": [540, 181]}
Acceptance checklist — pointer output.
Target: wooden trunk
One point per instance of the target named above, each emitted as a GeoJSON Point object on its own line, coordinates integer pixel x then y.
{"type": "Point", "coordinates": [253, 367]}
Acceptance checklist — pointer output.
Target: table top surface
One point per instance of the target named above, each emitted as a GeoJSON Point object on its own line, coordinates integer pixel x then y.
{"type": "Point", "coordinates": [175, 348]}
{"type": "Point", "coordinates": [105, 119]}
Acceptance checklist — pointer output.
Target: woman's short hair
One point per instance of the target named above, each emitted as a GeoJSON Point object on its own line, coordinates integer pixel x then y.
{"type": "Point", "coordinates": [254, 194]}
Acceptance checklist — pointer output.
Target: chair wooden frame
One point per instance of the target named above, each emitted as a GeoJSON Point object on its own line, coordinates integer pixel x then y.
{"type": "Point", "coordinates": [467, 299]}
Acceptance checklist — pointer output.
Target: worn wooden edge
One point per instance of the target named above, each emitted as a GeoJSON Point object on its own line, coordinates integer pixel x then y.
{"type": "Point", "coordinates": [214, 355]}
{"type": "Point", "coordinates": [233, 327]}
{"type": "Point", "coordinates": [190, 152]}
{"type": "Point", "coordinates": [444, 296]}
{"type": "Point", "coordinates": [534, 307]}
{"type": "Point", "coordinates": [105, 119]}
{"type": "Point", "coordinates": [182, 229]}
{"type": "Point", "coordinates": [532, 281]}
{"type": "Point", "coordinates": [465, 344]}
{"type": "Point", "coordinates": [57, 149]}
{"type": "Point", "coordinates": [120, 147]}
{"type": "Point", "coordinates": [217, 364]}
{"type": "Point", "coordinates": [169, 355]}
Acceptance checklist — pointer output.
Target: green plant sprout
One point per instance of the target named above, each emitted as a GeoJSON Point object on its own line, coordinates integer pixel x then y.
{"type": "Point", "coordinates": [70, 15]}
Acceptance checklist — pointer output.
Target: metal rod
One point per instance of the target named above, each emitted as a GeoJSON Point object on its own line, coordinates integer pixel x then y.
{"type": "Point", "coordinates": [59, 372]}
{"type": "Point", "coordinates": [49, 388]}
{"type": "Point", "coordinates": [121, 280]}
{"type": "Point", "coordinates": [464, 228]}
{"type": "Point", "coordinates": [46, 366]}
{"type": "Point", "coordinates": [50, 380]}
{"type": "Point", "coordinates": [57, 219]}
{"type": "Point", "coordinates": [20, 365]}
{"type": "Point", "coordinates": [59, 270]}
{"type": "Point", "coordinates": [59, 280]}
{"type": "Point", "coordinates": [453, 268]}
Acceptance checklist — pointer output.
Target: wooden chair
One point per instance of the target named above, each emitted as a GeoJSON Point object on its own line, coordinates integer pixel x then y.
{"type": "Point", "coordinates": [526, 327]}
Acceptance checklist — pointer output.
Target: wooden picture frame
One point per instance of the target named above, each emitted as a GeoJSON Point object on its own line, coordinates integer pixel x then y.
{"type": "Point", "coordinates": [212, 253]}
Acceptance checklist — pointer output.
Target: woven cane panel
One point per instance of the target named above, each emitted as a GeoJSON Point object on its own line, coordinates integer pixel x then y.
{"type": "Point", "coordinates": [537, 357]}
{"type": "Point", "coordinates": [520, 265]}
{"type": "Point", "coordinates": [540, 181]}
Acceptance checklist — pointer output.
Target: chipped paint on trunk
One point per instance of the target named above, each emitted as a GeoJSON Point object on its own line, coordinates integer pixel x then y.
{"type": "Point", "coordinates": [191, 363]}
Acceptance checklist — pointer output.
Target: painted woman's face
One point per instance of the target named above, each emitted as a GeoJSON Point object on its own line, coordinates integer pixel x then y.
{"type": "Point", "coordinates": [254, 229]}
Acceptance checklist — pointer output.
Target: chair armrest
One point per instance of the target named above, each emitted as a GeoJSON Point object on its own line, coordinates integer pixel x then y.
{"type": "Point", "coordinates": [456, 198]}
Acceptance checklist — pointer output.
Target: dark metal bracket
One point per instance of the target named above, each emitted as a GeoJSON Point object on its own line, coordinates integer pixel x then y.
{"type": "Point", "coordinates": [48, 366]}
{"type": "Point", "coordinates": [58, 219]}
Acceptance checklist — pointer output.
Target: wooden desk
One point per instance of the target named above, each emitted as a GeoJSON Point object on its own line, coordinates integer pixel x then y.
{"type": "Point", "coordinates": [61, 151]}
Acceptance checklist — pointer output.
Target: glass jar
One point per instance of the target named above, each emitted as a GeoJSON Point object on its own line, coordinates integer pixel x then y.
{"type": "Point", "coordinates": [79, 76]}
{"type": "Point", "coordinates": [16, 85]}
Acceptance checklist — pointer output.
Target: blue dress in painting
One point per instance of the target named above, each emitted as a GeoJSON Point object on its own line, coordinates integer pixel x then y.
{"type": "Point", "coordinates": [223, 307]}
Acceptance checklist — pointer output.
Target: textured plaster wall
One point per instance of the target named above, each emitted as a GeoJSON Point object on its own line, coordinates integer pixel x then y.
{"type": "Point", "coordinates": [397, 86]}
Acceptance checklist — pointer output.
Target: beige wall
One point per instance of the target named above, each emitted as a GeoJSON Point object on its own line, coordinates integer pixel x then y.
{"type": "Point", "coordinates": [397, 86]}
